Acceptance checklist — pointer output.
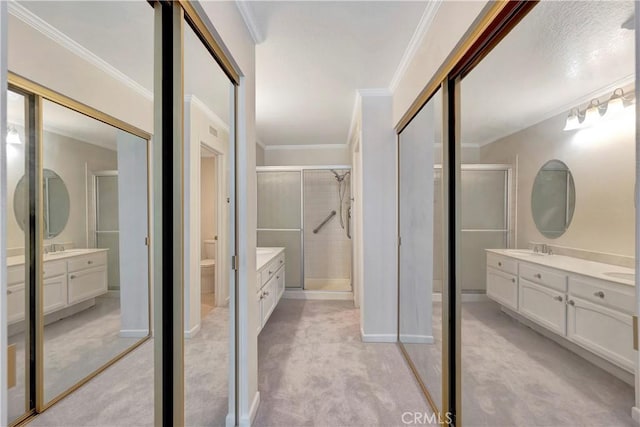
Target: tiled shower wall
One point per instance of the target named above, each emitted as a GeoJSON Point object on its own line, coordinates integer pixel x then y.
{"type": "Point", "coordinates": [327, 253]}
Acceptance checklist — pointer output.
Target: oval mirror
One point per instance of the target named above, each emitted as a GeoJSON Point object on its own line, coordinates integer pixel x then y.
{"type": "Point", "coordinates": [553, 199]}
{"type": "Point", "coordinates": [55, 198]}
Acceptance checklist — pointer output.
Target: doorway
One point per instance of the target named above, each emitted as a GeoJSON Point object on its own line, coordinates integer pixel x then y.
{"type": "Point", "coordinates": [208, 230]}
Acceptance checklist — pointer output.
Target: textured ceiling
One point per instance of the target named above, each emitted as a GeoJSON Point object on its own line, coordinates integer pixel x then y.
{"type": "Point", "coordinates": [314, 58]}
{"type": "Point", "coordinates": [562, 54]}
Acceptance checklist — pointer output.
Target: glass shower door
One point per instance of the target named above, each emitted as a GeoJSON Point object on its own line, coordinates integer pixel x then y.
{"type": "Point", "coordinates": [485, 220]}
{"type": "Point", "coordinates": [107, 233]}
{"type": "Point", "coordinates": [280, 219]}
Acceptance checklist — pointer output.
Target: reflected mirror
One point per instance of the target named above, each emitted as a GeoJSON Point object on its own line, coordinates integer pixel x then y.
{"type": "Point", "coordinates": [55, 203]}
{"type": "Point", "coordinates": [421, 253]}
{"type": "Point", "coordinates": [553, 199]}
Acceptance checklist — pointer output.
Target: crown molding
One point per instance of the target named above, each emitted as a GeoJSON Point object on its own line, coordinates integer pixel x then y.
{"type": "Point", "coordinates": [306, 147]}
{"type": "Point", "coordinates": [207, 112]}
{"type": "Point", "coordinates": [250, 21]}
{"type": "Point", "coordinates": [416, 40]}
{"type": "Point", "coordinates": [74, 47]}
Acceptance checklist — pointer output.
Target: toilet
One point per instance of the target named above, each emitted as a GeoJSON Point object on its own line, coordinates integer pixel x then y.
{"type": "Point", "coordinates": [208, 267]}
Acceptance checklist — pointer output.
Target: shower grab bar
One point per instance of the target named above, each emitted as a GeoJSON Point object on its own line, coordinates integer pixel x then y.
{"type": "Point", "coordinates": [323, 223]}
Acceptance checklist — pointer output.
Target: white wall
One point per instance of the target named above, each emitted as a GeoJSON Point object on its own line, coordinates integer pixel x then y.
{"type": "Point", "coordinates": [3, 210]}
{"type": "Point", "coordinates": [451, 22]}
{"type": "Point", "coordinates": [259, 155]}
{"type": "Point", "coordinates": [133, 229]}
{"type": "Point", "coordinates": [602, 162]}
{"type": "Point", "coordinates": [69, 158]}
{"type": "Point", "coordinates": [339, 154]}
{"type": "Point", "coordinates": [379, 235]}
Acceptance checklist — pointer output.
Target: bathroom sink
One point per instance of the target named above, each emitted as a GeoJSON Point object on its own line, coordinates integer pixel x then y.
{"type": "Point", "coordinates": [617, 275]}
{"type": "Point", "coordinates": [526, 252]}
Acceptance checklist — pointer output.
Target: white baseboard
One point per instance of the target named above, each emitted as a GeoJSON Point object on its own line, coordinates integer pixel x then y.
{"type": "Point", "coordinates": [318, 295]}
{"type": "Point", "coordinates": [378, 337]}
{"type": "Point", "coordinates": [416, 339]}
{"type": "Point", "coordinates": [466, 297]}
{"type": "Point", "coordinates": [133, 333]}
{"type": "Point", "coordinates": [635, 414]}
{"type": "Point", "coordinates": [192, 332]}
{"type": "Point", "coordinates": [247, 419]}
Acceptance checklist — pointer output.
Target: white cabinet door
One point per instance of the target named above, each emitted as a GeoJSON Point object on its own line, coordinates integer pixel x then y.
{"type": "Point", "coordinates": [55, 293]}
{"type": "Point", "coordinates": [269, 294]}
{"type": "Point", "coordinates": [502, 287]}
{"type": "Point", "coordinates": [543, 305]}
{"type": "Point", "coordinates": [15, 303]}
{"type": "Point", "coordinates": [280, 284]}
{"type": "Point", "coordinates": [258, 306]}
{"type": "Point", "coordinates": [606, 332]}
{"type": "Point", "coordinates": [87, 284]}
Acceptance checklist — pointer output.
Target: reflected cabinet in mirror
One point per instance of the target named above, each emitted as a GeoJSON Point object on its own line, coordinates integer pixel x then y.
{"type": "Point", "coordinates": [55, 203]}
{"type": "Point", "coordinates": [553, 199]}
{"type": "Point", "coordinates": [420, 251]}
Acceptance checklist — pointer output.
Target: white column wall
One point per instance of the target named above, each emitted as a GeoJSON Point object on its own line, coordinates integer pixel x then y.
{"type": "Point", "coordinates": [379, 226]}
{"type": "Point", "coordinates": [133, 229]}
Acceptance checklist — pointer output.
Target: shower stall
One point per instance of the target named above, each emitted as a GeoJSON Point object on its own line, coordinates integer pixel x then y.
{"type": "Point", "coordinates": [307, 210]}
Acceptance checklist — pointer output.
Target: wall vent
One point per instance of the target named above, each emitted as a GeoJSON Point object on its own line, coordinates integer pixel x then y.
{"type": "Point", "coordinates": [213, 131]}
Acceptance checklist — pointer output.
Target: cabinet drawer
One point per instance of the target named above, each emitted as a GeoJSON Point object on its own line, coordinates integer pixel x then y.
{"type": "Point", "coordinates": [505, 264]}
{"type": "Point", "coordinates": [87, 284]}
{"type": "Point", "coordinates": [87, 261]}
{"type": "Point", "coordinates": [618, 297]}
{"type": "Point", "coordinates": [502, 287]}
{"type": "Point", "coordinates": [15, 275]}
{"type": "Point", "coordinates": [543, 305]}
{"type": "Point", "coordinates": [543, 276]}
{"type": "Point", "coordinates": [280, 283]}
{"type": "Point", "coordinates": [54, 268]}
{"type": "Point", "coordinates": [15, 303]}
{"type": "Point", "coordinates": [603, 331]}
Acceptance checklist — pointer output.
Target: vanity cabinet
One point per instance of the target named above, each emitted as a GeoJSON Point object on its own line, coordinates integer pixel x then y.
{"type": "Point", "coordinates": [543, 305]}
{"type": "Point", "coordinates": [270, 283]}
{"type": "Point", "coordinates": [76, 278]}
{"type": "Point", "coordinates": [595, 314]}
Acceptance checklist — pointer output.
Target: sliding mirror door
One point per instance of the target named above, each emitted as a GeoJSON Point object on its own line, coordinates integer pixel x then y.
{"type": "Point", "coordinates": [209, 239]}
{"type": "Point", "coordinates": [420, 252]}
{"type": "Point", "coordinates": [96, 258]}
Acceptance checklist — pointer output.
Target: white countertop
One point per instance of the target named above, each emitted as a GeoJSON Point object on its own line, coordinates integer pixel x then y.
{"type": "Point", "coordinates": [55, 256]}
{"type": "Point", "coordinates": [569, 264]}
{"type": "Point", "coordinates": [264, 255]}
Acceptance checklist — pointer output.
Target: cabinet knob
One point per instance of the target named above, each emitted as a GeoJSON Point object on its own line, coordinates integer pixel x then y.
{"type": "Point", "coordinates": [9, 292]}
{"type": "Point", "coordinates": [72, 276]}
{"type": "Point", "coordinates": [513, 280]}
{"type": "Point", "coordinates": [277, 277]}
{"type": "Point", "coordinates": [281, 261]}
{"type": "Point", "coordinates": [266, 293]}
{"type": "Point", "coordinates": [89, 262]}
{"type": "Point", "coordinates": [538, 276]}
{"type": "Point", "coordinates": [270, 272]}
{"type": "Point", "coordinates": [598, 294]}
{"type": "Point", "coordinates": [499, 264]}
{"type": "Point", "coordinates": [571, 302]}
{"type": "Point", "coordinates": [558, 298]}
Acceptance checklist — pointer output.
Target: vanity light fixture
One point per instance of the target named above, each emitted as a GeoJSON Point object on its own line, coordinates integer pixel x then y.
{"type": "Point", "coordinates": [13, 137]}
{"type": "Point", "coordinates": [597, 111]}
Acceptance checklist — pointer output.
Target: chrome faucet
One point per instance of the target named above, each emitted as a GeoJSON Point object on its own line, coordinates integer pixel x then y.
{"type": "Point", "coordinates": [53, 247]}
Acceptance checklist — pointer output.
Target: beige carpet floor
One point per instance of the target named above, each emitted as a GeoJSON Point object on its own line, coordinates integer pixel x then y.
{"type": "Point", "coordinates": [123, 394]}
{"type": "Point", "coordinates": [314, 370]}
{"type": "Point", "coordinates": [513, 376]}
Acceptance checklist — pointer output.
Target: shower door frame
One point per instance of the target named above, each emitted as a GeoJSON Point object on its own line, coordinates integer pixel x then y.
{"type": "Point", "coordinates": [302, 169]}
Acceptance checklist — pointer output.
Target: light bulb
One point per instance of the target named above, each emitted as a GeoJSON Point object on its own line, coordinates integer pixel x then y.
{"type": "Point", "coordinates": [592, 115]}
{"type": "Point", "coordinates": [615, 105]}
{"type": "Point", "coordinates": [573, 122]}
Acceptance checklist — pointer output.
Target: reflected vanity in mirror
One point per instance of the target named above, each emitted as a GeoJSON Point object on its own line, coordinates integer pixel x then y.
{"type": "Point", "coordinates": [553, 199]}
{"type": "Point", "coordinates": [55, 203]}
